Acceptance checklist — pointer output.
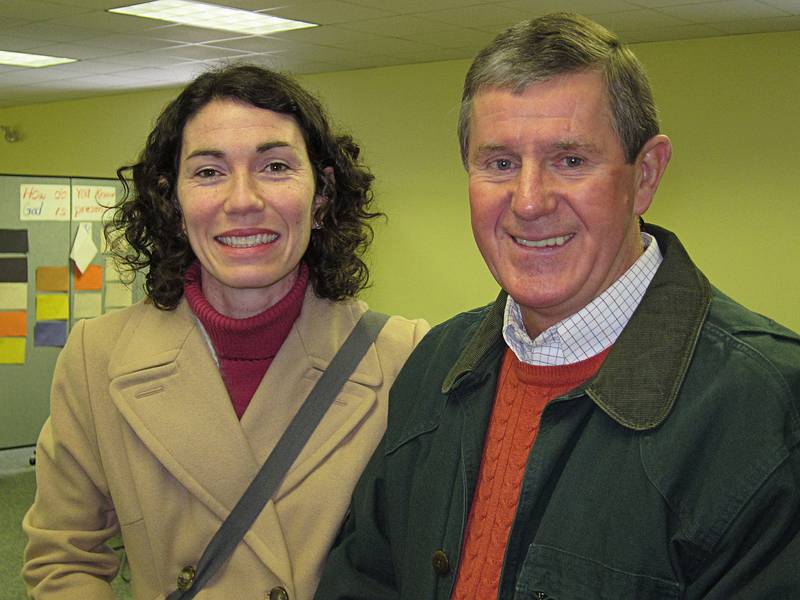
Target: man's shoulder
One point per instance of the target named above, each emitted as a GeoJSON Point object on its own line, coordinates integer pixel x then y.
{"type": "Point", "coordinates": [753, 337]}
{"type": "Point", "coordinates": [460, 327]}
{"type": "Point", "coordinates": [417, 394]}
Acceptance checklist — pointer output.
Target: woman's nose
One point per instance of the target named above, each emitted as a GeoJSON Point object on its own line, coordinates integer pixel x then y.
{"type": "Point", "coordinates": [242, 195]}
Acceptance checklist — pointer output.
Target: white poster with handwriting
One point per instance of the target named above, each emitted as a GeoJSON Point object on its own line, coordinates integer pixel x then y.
{"type": "Point", "coordinates": [89, 202]}
{"type": "Point", "coordinates": [43, 202]}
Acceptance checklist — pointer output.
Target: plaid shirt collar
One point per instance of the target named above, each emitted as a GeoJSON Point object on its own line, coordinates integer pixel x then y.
{"type": "Point", "coordinates": [593, 328]}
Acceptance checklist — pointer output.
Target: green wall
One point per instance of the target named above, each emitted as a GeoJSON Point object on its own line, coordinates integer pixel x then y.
{"type": "Point", "coordinates": [729, 105]}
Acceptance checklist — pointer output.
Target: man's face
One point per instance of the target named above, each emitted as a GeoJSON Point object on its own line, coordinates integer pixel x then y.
{"type": "Point", "coordinates": [554, 205]}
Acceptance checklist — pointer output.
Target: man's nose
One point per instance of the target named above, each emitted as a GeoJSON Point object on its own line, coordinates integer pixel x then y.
{"type": "Point", "coordinates": [533, 193]}
{"type": "Point", "coordinates": [243, 195]}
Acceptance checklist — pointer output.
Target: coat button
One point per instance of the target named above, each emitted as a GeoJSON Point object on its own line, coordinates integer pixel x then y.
{"type": "Point", "coordinates": [186, 578]}
{"type": "Point", "coordinates": [441, 564]}
{"type": "Point", "coordinates": [278, 593]}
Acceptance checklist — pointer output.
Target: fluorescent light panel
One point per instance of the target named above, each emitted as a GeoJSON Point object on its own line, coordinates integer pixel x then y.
{"type": "Point", "coordinates": [20, 59]}
{"type": "Point", "coordinates": [210, 16]}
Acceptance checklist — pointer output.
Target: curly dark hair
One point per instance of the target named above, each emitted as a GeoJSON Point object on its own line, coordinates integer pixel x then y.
{"type": "Point", "coordinates": [146, 231]}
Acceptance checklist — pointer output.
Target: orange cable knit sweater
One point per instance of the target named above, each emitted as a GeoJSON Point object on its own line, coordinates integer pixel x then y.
{"type": "Point", "coordinates": [522, 393]}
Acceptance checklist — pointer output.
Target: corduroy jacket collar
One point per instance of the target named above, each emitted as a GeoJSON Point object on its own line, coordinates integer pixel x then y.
{"type": "Point", "coordinates": [640, 378]}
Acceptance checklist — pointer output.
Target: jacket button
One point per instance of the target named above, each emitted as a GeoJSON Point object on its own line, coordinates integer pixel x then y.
{"type": "Point", "coordinates": [441, 564]}
{"type": "Point", "coordinates": [278, 593]}
{"type": "Point", "coordinates": [186, 578]}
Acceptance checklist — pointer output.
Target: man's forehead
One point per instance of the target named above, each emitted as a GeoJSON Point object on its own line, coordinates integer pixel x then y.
{"type": "Point", "coordinates": [576, 84]}
{"type": "Point", "coordinates": [574, 106]}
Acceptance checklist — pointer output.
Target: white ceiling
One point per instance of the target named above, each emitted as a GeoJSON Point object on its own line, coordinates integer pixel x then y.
{"type": "Point", "coordinates": [123, 53]}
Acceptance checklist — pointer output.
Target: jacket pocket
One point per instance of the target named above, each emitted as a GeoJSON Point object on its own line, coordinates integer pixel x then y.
{"type": "Point", "coordinates": [552, 574]}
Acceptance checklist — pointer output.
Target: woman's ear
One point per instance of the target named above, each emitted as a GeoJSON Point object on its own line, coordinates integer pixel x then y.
{"type": "Point", "coordinates": [324, 195]}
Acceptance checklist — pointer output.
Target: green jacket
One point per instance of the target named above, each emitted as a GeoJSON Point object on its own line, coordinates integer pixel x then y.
{"type": "Point", "coordinates": [673, 473]}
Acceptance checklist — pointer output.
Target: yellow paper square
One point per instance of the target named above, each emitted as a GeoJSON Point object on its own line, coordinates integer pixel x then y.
{"type": "Point", "coordinates": [12, 351]}
{"type": "Point", "coordinates": [52, 307]}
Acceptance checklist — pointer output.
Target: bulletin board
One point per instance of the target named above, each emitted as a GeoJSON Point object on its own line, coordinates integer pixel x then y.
{"type": "Point", "coordinates": [54, 271]}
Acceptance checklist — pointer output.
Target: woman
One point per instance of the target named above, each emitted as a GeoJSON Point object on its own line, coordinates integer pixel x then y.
{"type": "Point", "coordinates": [249, 216]}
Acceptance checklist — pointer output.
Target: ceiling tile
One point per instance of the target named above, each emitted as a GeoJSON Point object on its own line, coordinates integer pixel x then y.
{"type": "Point", "coordinates": [147, 59]}
{"type": "Point", "coordinates": [457, 37]}
{"type": "Point", "coordinates": [76, 51]}
{"type": "Point", "coordinates": [398, 25]}
{"type": "Point", "coordinates": [406, 7]}
{"type": "Point", "coordinates": [720, 12]}
{"type": "Point", "coordinates": [535, 8]}
{"type": "Point", "coordinates": [200, 52]}
{"type": "Point", "coordinates": [484, 14]}
{"type": "Point", "coordinates": [17, 44]}
{"type": "Point", "coordinates": [328, 35]}
{"type": "Point", "coordinates": [328, 12]}
{"type": "Point", "coordinates": [54, 32]}
{"type": "Point", "coordinates": [36, 9]}
{"type": "Point", "coordinates": [642, 18]}
{"type": "Point", "coordinates": [122, 42]}
{"type": "Point", "coordinates": [355, 34]}
{"type": "Point", "coordinates": [107, 22]}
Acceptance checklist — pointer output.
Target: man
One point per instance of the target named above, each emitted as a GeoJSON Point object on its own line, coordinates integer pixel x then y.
{"type": "Point", "coordinates": [612, 426]}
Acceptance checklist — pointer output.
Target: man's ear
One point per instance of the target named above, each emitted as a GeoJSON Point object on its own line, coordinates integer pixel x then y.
{"type": "Point", "coordinates": [650, 164]}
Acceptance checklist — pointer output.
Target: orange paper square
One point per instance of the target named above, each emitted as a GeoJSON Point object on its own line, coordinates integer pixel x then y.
{"type": "Point", "coordinates": [13, 324]}
{"type": "Point", "coordinates": [90, 279]}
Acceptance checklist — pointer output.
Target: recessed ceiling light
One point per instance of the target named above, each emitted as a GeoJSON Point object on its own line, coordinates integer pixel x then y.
{"type": "Point", "coordinates": [20, 59]}
{"type": "Point", "coordinates": [210, 16]}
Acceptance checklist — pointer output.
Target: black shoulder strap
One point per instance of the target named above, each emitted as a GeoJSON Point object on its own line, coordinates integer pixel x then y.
{"type": "Point", "coordinates": [285, 453]}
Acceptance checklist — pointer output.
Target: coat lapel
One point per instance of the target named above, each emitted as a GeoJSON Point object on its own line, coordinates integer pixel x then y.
{"type": "Point", "coordinates": [317, 335]}
{"type": "Point", "coordinates": [167, 387]}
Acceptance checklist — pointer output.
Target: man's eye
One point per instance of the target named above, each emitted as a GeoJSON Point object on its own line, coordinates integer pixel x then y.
{"type": "Point", "coordinates": [572, 161]}
{"type": "Point", "coordinates": [502, 164]}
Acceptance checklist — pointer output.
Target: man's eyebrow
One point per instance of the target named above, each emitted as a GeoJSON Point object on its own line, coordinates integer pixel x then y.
{"type": "Point", "coordinates": [485, 149]}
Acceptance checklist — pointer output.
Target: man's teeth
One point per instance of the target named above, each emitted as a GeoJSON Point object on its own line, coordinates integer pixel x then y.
{"type": "Point", "coordinates": [247, 241]}
{"type": "Point", "coordinates": [548, 243]}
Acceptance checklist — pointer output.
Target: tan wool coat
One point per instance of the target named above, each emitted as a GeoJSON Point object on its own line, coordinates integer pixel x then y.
{"type": "Point", "coordinates": [142, 438]}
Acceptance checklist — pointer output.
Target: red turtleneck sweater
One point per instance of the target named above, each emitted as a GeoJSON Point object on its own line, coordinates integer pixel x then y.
{"type": "Point", "coordinates": [245, 348]}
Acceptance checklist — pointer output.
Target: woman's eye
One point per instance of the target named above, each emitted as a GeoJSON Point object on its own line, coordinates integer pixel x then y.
{"type": "Point", "coordinates": [277, 167]}
{"type": "Point", "coordinates": [206, 173]}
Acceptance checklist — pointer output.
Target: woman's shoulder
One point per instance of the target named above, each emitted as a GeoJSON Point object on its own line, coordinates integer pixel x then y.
{"type": "Point", "coordinates": [398, 337]}
{"type": "Point", "coordinates": [139, 324]}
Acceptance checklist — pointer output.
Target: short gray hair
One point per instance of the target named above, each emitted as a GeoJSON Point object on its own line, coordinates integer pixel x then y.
{"type": "Point", "coordinates": [561, 43]}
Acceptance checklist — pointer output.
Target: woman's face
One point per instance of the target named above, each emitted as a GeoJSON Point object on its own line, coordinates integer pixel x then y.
{"type": "Point", "coordinates": [246, 190]}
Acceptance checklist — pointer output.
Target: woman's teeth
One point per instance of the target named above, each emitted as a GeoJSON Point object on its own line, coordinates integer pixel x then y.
{"type": "Point", "coordinates": [247, 241]}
